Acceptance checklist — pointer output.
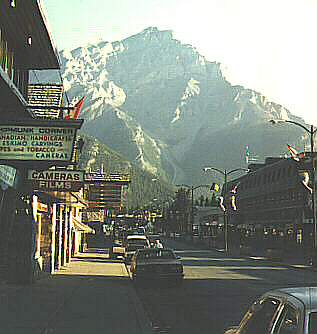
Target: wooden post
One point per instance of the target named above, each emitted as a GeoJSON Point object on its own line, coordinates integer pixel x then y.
{"type": "Point", "coordinates": [65, 235]}
{"type": "Point", "coordinates": [53, 240]}
{"type": "Point", "coordinates": [69, 234]}
{"type": "Point", "coordinates": [60, 237]}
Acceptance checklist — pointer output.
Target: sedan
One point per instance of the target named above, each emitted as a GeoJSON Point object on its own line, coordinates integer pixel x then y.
{"type": "Point", "coordinates": [281, 311]}
{"type": "Point", "coordinates": [156, 263]}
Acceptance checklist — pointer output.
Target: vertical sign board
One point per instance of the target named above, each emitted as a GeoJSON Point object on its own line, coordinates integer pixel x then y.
{"type": "Point", "coordinates": [38, 141]}
{"type": "Point", "coordinates": [106, 195]}
{"type": "Point", "coordinates": [7, 175]}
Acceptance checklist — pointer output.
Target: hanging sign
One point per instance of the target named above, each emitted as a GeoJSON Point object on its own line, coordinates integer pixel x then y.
{"type": "Point", "coordinates": [7, 175]}
{"type": "Point", "coordinates": [56, 180]}
{"type": "Point", "coordinates": [38, 140]}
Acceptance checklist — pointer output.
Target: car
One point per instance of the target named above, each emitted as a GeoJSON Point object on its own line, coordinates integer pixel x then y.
{"type": "Point", "coordinates": [281, 311]}
{"type": "Point", "coordinates": [156, 264]}
{"type": "Point", "coordinates": [133, 243]}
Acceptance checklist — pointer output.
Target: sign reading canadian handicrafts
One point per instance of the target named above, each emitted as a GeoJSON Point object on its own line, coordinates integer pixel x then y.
{"type": "Point", "coordinates": [56, 180]}
{"type": "Point", "coordinates": [38, 141]}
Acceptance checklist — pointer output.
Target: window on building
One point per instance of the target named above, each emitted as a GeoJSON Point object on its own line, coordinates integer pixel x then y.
{"type": "Point", "coordinates": [289, 171]}
{"type": "Point", "coordinates": [273, 176]}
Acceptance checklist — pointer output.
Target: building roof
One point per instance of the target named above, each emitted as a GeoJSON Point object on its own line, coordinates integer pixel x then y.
{"type": "Point", "coordinates": [105, 178]}
{"type": "Point", "coordinates": [46, 95]}
{"type": "Point", "coordinates": [25, 19]}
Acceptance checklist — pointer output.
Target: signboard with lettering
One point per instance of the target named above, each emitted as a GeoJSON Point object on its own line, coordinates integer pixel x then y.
{"type": "Point", "coordinates": [7, 175]}
{"type": "Point", "coordinates": [56, 180]}
{"type": "Point", "coordinates": [38, 140]}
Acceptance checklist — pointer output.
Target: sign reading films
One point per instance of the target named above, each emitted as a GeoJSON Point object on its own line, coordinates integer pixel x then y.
{"type": "Point", "coordinates": [56, 180]}
{"type": "Point", "coordinates": [38, 140]}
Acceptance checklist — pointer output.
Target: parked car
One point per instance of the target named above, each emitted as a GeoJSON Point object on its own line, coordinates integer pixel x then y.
{"type": "Point", "coordinates": [133, 243]}
{"type": "Point", "coordinates": [156, 263]}
{"type": "Point", "coordinates": [281, 311]}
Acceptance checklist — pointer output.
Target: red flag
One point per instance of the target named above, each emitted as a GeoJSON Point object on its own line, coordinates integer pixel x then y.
{"type": "Point", "coordinates": [294, 153]}
{"type": "Point", "coordinates": [73, 113]}
{"type": "Point", "coordinates": [247, 155]}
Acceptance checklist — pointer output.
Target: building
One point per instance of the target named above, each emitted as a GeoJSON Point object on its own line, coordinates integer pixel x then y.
{"type": "Point", "coordinates": [104, 194]}
{"type": "Point", "coordinates": [40, 226]}
{"type": "Point", "coordinates": [273, 204]}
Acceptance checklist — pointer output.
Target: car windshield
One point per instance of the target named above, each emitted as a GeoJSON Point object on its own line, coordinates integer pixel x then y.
{"type": "Point", "coordinates": [156, 254]}
{"type": "Point", "coordinates": [141, 242]}
{"type": "Point", "coordinates": [313, 323]}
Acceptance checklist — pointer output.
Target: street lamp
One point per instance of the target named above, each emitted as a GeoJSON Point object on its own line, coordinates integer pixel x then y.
{"type": "Point", "coordinates": [311, 132]}
{"type": "Point", "coordinates": [225, 173]}
{"type": "Point", "coordinates": [192, 188]}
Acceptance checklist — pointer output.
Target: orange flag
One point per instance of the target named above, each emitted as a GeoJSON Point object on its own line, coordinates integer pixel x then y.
{"type": "Point", "coordinates": [73, 113]}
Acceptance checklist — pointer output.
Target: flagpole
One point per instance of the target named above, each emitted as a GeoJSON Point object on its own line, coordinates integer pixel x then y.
{"type": "Point", "coordinates": [225, 174]}
{"type": "Point", "coordinates": [314, 259]}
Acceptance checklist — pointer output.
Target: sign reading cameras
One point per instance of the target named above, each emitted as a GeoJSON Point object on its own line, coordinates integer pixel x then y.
{"type": "Point", "coordinates": [38, 140]}
{"type": "Point", "coordinates": [56, 180]}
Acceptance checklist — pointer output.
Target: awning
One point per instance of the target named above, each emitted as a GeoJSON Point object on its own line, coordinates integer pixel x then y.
{"type": "Point", "coordinates": [81, 227]}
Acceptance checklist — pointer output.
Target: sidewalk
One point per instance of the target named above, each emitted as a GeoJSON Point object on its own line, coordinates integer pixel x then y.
{"type": "Point", "coordinates": [289, 260]}
{"type": "Point", "coordinates": [91, 295]}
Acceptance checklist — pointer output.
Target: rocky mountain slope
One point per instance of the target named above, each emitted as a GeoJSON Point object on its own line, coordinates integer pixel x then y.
{"type": "Point", "coordinates": [144, 187]}
{"type": "Point", "coordinates": [170, 110]}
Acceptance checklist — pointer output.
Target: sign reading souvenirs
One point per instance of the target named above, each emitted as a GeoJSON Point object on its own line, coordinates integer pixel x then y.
{"type": "Point", "coordinates": [56, 180]}
{"type": "Point", "coordinates": [38, 140]}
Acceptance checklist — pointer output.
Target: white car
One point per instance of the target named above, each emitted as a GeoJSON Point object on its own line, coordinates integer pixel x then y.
{"type": "Point", "coordinates": [282, 311]}
{"type": "Point", "coordinates": [133, 243]}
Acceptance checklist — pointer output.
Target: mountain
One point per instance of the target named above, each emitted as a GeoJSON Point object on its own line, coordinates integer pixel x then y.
{"type": "Point", "coordinates": [144, 187]}
{"type": "Point", "coordinates": [169, 109]}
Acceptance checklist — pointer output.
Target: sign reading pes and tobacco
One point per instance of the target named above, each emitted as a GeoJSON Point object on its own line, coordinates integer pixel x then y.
{"type": "Point", "coordinates": [56, 180]}
{"type": "Point", "coordinates": [38, 140]}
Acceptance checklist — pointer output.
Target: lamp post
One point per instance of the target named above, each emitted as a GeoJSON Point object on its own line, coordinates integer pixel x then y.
{"type": "Point", "coordinates": [311, 132]}
{"type": "Point", "coordinates": [225, 173]}
{"type": "Point", "coordinates": [192, 188]}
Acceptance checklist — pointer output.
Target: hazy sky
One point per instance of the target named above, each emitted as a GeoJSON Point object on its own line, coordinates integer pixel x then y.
{"type": "Point", "coordinates": [267, 45]}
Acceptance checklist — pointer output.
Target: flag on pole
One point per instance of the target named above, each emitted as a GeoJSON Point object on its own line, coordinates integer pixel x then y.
{"type": "Point", "coordinates": [214, 187]}
{"type": "Point", "coordinates": [233, 203]}
{"type": "Point", "coordinates": [220, 199]}
{"type": "Point", "coordinates": [294, 153]}
{"type": "Point", "coordinates": [233, 196]}
{"type": "Point", "coordinates": [247, 155]}
{"type": "Point", "coordinates": [305, 179]}
{"type": "Point", "coordinates": [73, 113]}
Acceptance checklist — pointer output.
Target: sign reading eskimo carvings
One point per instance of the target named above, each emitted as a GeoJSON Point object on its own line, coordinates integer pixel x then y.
{"type": "Point", "coordinates": [38, 140]}
{"type": "Point", "coordinates": [56, 180]}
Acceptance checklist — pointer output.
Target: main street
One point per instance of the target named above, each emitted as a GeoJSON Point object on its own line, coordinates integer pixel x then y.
{"type": "Point", "coordinates": [216, 292]}
{"type": "Point", "coordinates": [93, 294]}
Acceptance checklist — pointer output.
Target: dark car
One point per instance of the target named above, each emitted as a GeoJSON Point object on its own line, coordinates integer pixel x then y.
{"type": "Point", "coordinates": [156, 264]}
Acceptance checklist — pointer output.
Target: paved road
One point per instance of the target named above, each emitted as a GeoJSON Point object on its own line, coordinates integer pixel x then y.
{"type": "Point", "coordinates": [92, 294]}
{"type": "Point", "coordinates": [217, 290]}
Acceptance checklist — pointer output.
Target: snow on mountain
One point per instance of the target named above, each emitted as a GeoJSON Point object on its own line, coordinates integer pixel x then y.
{"type": "Point", "coordinates": [160, 103]}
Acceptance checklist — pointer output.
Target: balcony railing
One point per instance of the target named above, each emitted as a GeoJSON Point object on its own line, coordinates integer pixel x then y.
{"type": "Point", "coordinates": [10, 65]}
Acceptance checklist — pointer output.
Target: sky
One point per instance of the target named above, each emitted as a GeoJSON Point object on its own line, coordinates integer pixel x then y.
{"type": "Point", "coordinates": [265, 45]}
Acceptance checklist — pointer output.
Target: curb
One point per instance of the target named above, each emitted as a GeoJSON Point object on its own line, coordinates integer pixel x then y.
{"type": "Point", "coordinates": [141, 314]}
{"type": "Point", "coordinates": [287, 265]}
